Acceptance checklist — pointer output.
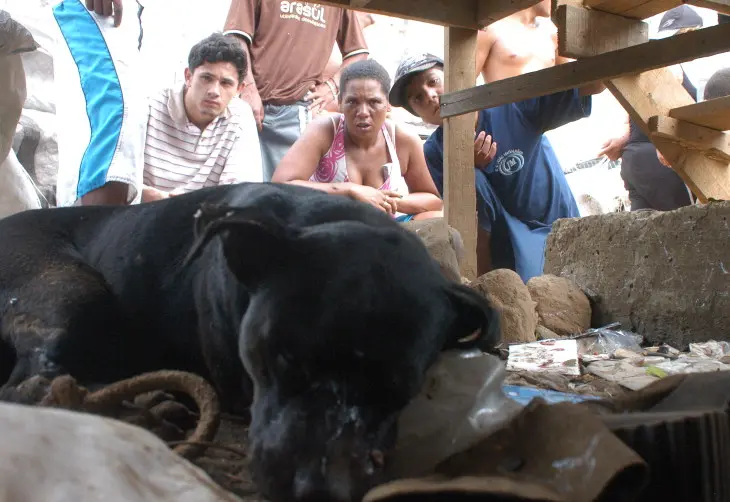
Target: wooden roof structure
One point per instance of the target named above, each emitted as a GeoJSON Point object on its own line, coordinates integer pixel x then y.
{"type": "Point", "coordinates": [610, 42]}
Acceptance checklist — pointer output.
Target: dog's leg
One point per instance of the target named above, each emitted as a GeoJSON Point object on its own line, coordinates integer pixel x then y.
{"type": "Point", "coordinates": [65, 320]}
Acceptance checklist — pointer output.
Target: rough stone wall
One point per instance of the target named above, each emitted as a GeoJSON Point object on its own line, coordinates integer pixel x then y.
{"type": "Point", "coordinates": [663, 275]}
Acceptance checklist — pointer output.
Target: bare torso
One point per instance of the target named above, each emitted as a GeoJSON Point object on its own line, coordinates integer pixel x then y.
{"type": "Point", "coordinates": [523, 42]}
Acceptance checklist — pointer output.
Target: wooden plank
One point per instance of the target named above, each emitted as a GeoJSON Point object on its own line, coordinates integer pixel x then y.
{"type": "Point", "coordinates": [654, 93]}
{"type": "Point", "coordinates": [722, 6]}
{"type": "Point", "coordinates": [632, 60]}
{"type": "Point", "coordinates": [713, 113]}
{"type": "Point", "coordinates": [714, 144]}
{"type": "Point", "coordinates": [459, 193]}
{"type": "Point", "coordinates": [461, 13]}
{"type": "Point", "coordinates": [637, 9]}
{"type": "Point", "coordinates": [358, 4]}
{"type": "Point", "coordinates": [584, 33]}
{"type": "Point", "coordinates": [491, 11]}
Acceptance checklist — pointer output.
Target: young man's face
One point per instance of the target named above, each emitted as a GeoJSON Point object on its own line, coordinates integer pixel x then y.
{"type": "Point", "coordinates": [424, 94]}
{"type": "Point", "coordinates": [210, 87]}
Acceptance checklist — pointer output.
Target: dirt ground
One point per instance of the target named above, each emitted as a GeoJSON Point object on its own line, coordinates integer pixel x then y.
{"type": "Point", "coordinates": [229, 469]}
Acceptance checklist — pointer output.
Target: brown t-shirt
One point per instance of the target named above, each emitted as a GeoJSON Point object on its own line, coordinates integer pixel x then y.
{"type": "Point", "coordinates": [291, 41]}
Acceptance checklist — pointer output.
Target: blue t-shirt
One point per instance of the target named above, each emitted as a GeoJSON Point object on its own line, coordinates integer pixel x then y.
{"type": "Point", "coordinates": [524, 188]}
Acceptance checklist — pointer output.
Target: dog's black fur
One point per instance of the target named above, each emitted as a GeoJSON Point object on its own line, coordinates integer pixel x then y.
{"type": "Point", "coordinates": [333, 309]}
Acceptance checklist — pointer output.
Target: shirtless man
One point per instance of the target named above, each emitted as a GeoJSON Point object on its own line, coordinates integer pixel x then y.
{"type": "Point", "coordinates": [523, 42]}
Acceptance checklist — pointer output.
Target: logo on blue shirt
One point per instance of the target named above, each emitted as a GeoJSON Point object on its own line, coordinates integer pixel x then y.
{"type": "Point", "coordinates": [510, 162]}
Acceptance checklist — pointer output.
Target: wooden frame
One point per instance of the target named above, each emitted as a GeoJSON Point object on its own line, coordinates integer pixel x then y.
{"type": "Point", "coordinates": [607, 34]}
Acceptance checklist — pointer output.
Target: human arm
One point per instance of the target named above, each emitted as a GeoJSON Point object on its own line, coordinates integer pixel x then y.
{"type": "Point", "coordinates": [243, 163]}
{"type": "Point", "coordinates": [241, 23]}
{"type": "Point", "coordinates": [302, 159]}
{"type": "Point", "coordinates": [423, 195]}
{"type": "Point", "coordinates": [106, 8]}
{"type": "Point", "coordinates": [485, 41]}
{"type": "Point", "coordinates": [554, 110]}
{"type": "Point", "coordinates": [353, 47]}
{"type": "Point", "coordinates": [613, 147]}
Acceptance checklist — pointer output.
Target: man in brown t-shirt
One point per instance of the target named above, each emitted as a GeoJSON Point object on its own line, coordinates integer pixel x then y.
{"type": "Point", "coordinates": [289, 44]}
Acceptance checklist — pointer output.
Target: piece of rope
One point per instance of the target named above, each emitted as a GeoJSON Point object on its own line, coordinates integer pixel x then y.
{"type": "Point", "coordinates": [66, 393]}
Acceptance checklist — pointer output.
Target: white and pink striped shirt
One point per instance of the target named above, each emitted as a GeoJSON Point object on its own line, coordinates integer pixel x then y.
{"type": "Point", "coordinates": [179, 156]}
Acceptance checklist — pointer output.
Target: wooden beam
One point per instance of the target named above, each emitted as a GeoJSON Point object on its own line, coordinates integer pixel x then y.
{"type": "Point", "coordinates": [654, 93]}
{"type": "Point", "coordinates": [637, 9]}
{"type": "Point", "coordinates": [722, 6]}
{"type": "Point", "coordinates": [491, 11]}
{"type": "Point", "coordinates": [459, 193]}
{"type": "Point", "coordinates": [358, 4]}
{"type": "Point", "coordinates": [713, 113]}
{"type": "Point", "coordinates": [632, 60]}
{"type": "Point", "coordinates": [584, 33]}
{"type": "Point", "coordinates": [642, 9]}
{"type": "Point", "coordinates": [461, 13]}
{"type": "Point", "coordinates": [714, 144]}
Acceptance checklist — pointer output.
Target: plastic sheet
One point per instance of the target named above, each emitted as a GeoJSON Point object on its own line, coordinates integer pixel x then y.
{"type": "Point", "coordinates": [462, 402]}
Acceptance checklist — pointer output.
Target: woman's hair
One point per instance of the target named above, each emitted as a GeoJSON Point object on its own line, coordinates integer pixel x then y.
{"type": "Point", "coordinates": [718, 84]}
{"type": "Point", "coordinates": [368, 69]}
{"type": "Point", "coordinates": [219, 48]}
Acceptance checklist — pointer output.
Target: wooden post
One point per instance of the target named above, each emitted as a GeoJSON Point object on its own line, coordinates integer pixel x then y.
{"type": "Point", "coordinates": [459, 193]}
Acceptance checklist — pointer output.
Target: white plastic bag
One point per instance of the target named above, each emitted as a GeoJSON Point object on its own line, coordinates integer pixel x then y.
{"type": "Point", "coordinates": [17, 191]}
{"type": "Point", "coordinates": [54, 455]}
{"type": "Point", "coordinates": [461, 403]}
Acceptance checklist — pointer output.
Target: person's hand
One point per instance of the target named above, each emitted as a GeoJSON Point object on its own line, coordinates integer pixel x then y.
{"type": "Point", "coordinates": [106, 8]}
{"type": "Point", "coordinates": [662, 160]}
{"type": "Point", "coordinates": [250, 95]}
{"type": "Point", "coordinates": [150, 194]}
{"type": "Point", "coordinates": [385, 200]}
{"type": "Point", "coordinates": [484, 150]}
{"type": "Point", "coordinates": [321, 96]}
{"type": "Point", "coordinates": [613, 148]}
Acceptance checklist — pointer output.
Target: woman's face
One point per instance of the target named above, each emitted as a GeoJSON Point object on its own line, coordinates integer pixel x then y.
{"type": "Point", "coordinates": [424, 94]}
{"type": "Point", "coordinates": [365, 106]}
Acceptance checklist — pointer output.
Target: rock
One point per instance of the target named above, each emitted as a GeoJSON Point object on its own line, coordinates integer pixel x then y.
{"type": "Point", "coordinates": [509, 295]}
{"type": "Point", "coordinates": [443, 242]}
{"type": "Point", "coordinates": [561, 305]}
{"type": "Point", "coordinates": [664, 275]}
{"type": "Point", "coordinates": [543, 333]}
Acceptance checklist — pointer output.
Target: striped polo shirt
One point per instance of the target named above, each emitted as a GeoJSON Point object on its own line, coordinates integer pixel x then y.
{"type": "Point", "coordinates": [179, 156]}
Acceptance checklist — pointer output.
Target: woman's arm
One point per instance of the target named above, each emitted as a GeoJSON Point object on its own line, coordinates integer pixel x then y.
{"type": "Point", "coordinates": [300, 162]}
{"type": "Point", "coordinates": [423, 195]}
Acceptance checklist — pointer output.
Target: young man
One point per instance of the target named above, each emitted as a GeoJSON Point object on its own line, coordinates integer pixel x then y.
{"type": "Point", "coordinates": [522, 190]}
{"type": "Point", "coordinates": [102, 109]}
{"type": "Point", "coordinates": [289, 44]}
{"type": "Point", "coordinates": [523, 42]}
{"type": "Point", "coordinates": [201, 134]}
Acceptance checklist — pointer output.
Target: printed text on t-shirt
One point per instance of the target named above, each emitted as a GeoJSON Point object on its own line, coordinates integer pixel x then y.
{"type": "Point", "coordinates": [304, 12]}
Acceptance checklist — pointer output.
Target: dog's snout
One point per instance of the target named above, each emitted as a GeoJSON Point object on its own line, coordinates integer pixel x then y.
{"type": "Point", "coordinates": [312, 485]}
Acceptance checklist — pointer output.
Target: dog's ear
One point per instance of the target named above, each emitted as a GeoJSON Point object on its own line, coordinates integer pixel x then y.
{"type": "Point", "coordinates": [254, 239]}
{"type": "Point", "coordinates": [475, 322]}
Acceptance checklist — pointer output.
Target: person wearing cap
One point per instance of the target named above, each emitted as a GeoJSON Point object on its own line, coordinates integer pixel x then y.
{"type": "Point", "coordinates": [521, 190]}
{"type": "Point", "coordinates": [649, 183]}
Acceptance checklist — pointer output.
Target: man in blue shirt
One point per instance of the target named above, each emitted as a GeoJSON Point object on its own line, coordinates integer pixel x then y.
{"type": "Point", "coordinates": [522, 190]}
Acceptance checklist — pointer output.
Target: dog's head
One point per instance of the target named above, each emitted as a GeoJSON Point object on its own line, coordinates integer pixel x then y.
{"type": "Point", "coordinates": [343, 322]}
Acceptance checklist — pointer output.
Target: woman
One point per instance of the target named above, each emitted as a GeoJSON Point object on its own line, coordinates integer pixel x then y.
{"type": "Point", "coordinates": [359, 154]}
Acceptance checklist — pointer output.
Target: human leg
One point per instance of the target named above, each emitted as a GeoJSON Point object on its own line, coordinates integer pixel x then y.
{"type": "Point", "coordinates": [102, 115]}
{"type": "Point", "coordinates": [282, 126]}
{"type": "Point", "coordinates": [650, 184]}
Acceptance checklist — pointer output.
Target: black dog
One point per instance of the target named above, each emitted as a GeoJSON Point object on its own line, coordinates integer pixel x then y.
{"type": "Point", "coordinates": [332, 308]}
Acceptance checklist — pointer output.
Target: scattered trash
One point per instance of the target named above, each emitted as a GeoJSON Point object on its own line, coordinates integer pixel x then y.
{"type": "Point", "coordinates": [545, 356]}
{"type": "Point", "coordinates": [524, 395]}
